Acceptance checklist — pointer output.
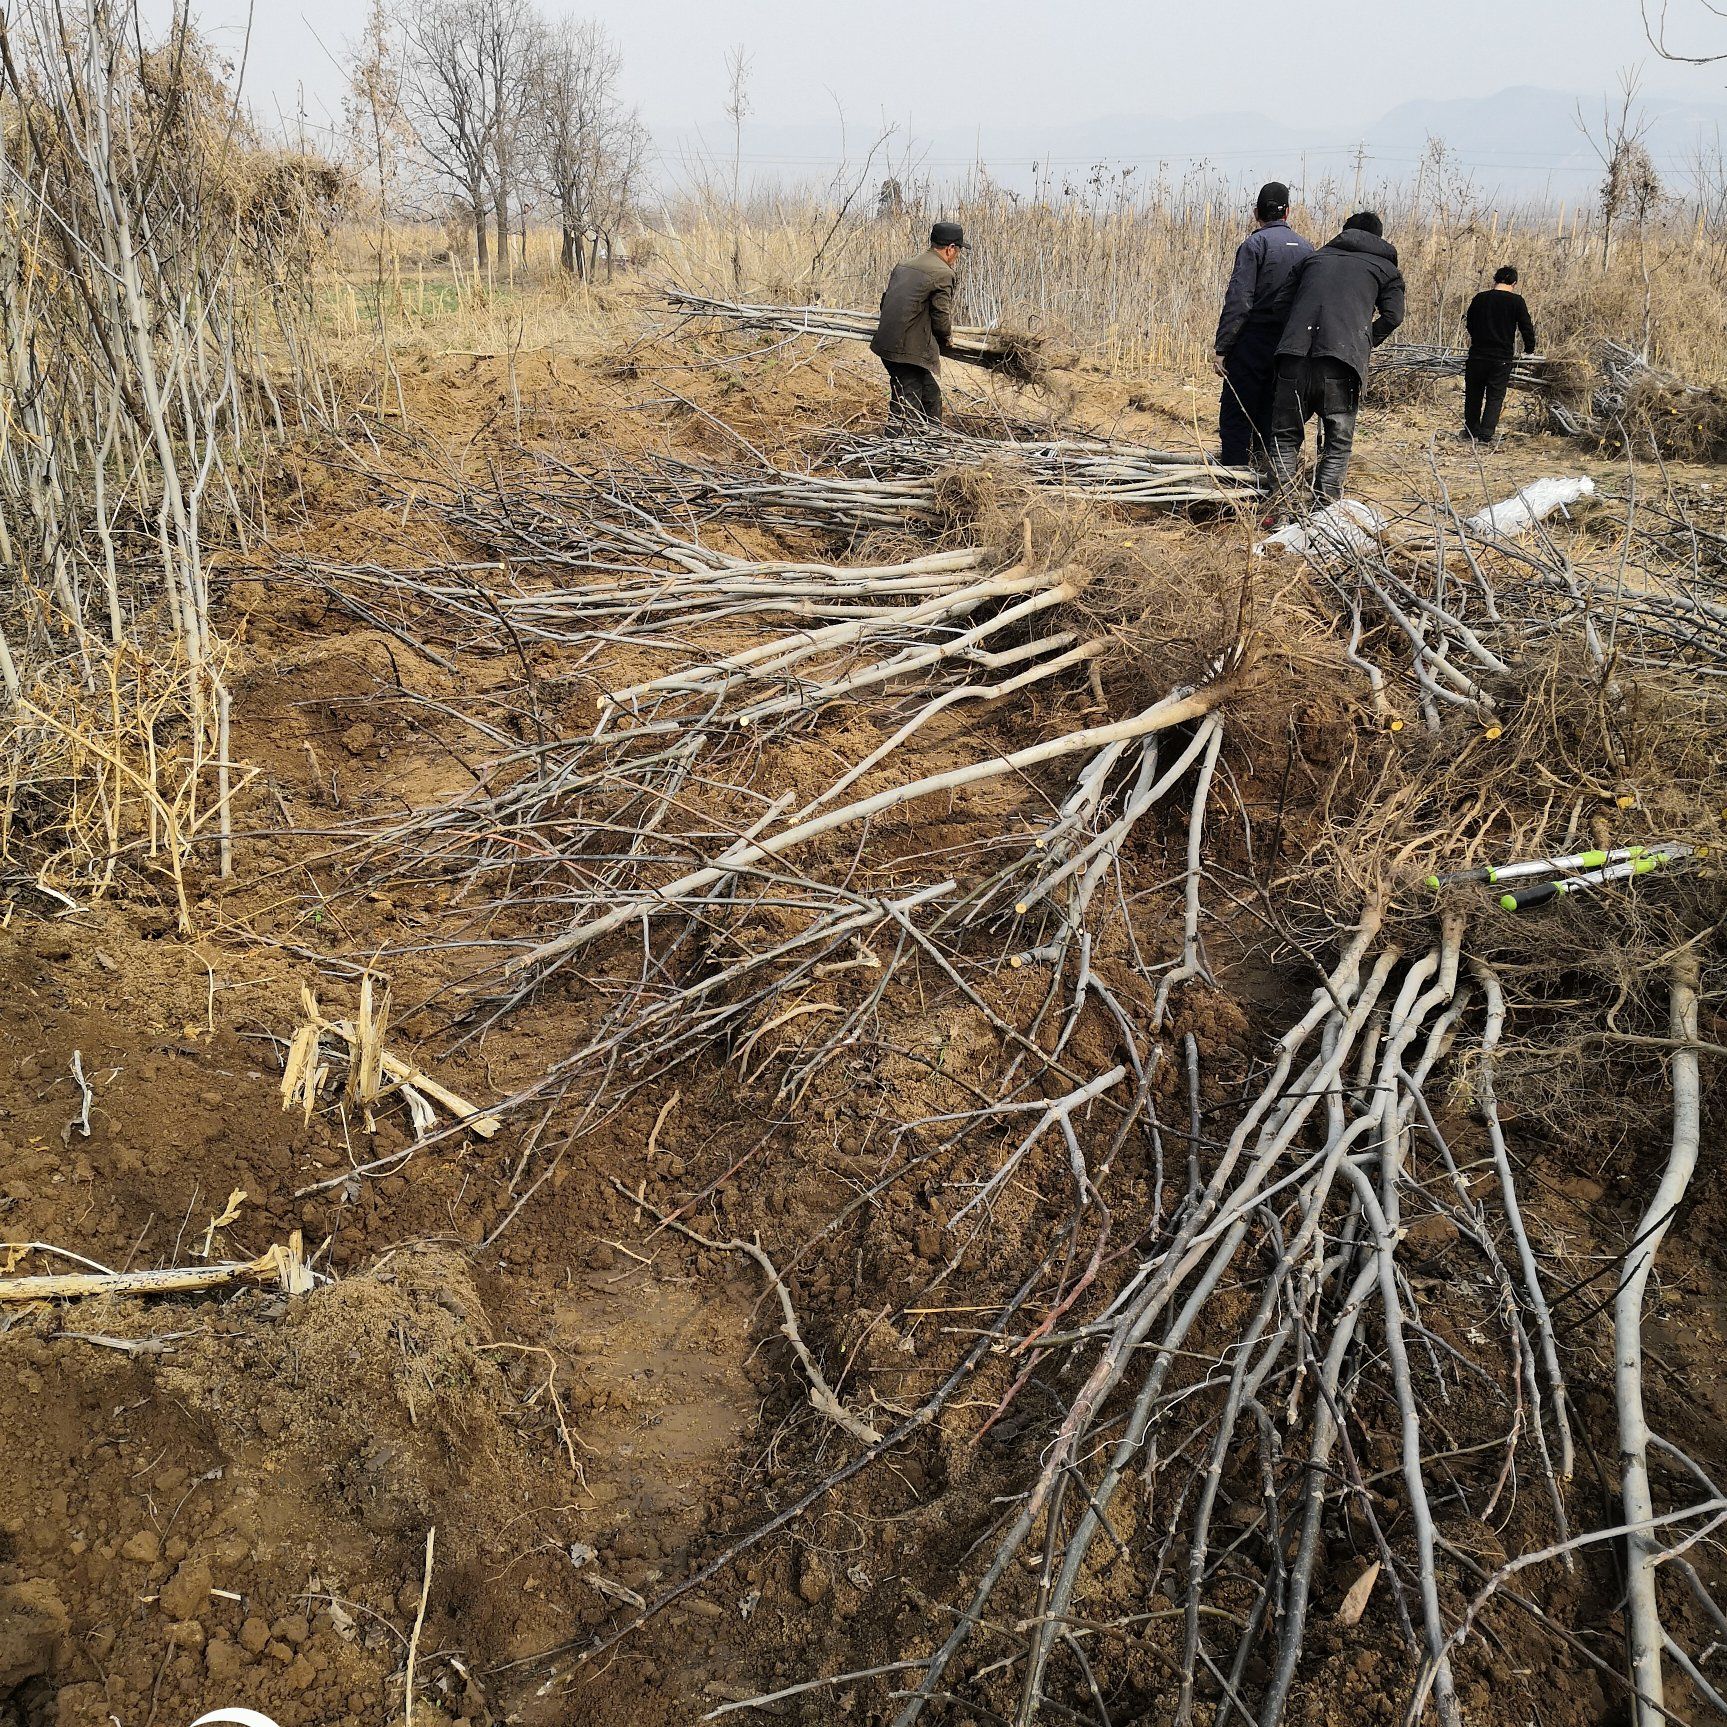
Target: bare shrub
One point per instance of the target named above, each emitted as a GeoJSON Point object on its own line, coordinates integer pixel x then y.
{"type": "Point", "coordinates": [153, 277]}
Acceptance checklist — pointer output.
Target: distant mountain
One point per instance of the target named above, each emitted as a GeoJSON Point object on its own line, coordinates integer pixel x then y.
{"type": "Point", "coordinates": [1527, 138]}
{"type": "Point", "coordinates": [1520, 143]}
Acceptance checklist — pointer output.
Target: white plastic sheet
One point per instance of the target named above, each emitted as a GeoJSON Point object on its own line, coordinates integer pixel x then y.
{"type": "Point", "coordinates": [1538, 500]}
{"type": "Point", "coordinates": [1345, 526]}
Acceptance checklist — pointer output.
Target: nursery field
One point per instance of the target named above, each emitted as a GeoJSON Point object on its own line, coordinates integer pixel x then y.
{"type": "Point", "coordinates": [668, 1059]}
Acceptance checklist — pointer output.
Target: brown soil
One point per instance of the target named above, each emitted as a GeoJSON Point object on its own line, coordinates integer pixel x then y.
{"type": "Point", "coordinates": [225, 1499]}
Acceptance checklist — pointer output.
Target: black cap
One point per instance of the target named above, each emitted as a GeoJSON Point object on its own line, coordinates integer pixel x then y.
{"type": "Point", "coordinates": [1273, 200]}
{"type": "Point", "coordinates": [947, 234]}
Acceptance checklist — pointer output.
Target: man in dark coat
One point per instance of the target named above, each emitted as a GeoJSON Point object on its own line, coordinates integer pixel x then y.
{"type": "Point", "coordinates": [1254, 308]}
{"type": "Point", "coordinates": [1497, 316]}
{"type": "Point", "coordinates": [1348, 298]}
{"type": "Point", "coordinates": [916, 327]}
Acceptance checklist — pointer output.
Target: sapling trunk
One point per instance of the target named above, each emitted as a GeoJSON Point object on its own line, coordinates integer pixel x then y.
{"type": "Point", "coordinates": [1644, 1635]}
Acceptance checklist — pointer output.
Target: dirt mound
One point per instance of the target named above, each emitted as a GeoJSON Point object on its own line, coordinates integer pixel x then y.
{"type": "Point", "coordinates": [225, 1498]}
{"type": "Point", "coordinates": [280, 1461]}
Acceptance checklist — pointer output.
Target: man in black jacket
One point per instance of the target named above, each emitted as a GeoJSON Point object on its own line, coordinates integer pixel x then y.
{"type": "Point", "coordinates": [1254, 306]}
{"type": "Point", "coordinates": [1495, 319]}
{"type": "Point", "coordinates": [1348, 298]}
{"type": "Point", "coordinates": [916, 326]}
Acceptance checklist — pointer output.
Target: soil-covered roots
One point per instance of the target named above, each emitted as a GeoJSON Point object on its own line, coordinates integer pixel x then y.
{"type": "Point", "coordinates": [1448, 604]}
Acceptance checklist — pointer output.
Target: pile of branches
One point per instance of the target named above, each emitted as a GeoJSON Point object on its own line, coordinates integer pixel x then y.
{"type": "Point", "coordinates": [1645, 406]}
{"type": "Point", "coordinates": [898, 647]}
{"type": "Point", "coordinates": [1064, 464]}
{"type": "Point", "coordinates": [1617, 398]}
{"type": "Point", "coordinates": [570, 506]}
{"type": "Point", "coordinates": [1574, 396]}
{"type": "Point", "coordinates": [151, 250]}
{"type": "Point", "coordinates": [1015, 354]}
{"type": "Point", "coordinates": [562, 509]}
{"type": "Point", "coordinates": [1240, 1379]}
{"type": "Point", "coordinates": [1449, 606]}
{"type": "Point", "coordinates": [1532, 372]}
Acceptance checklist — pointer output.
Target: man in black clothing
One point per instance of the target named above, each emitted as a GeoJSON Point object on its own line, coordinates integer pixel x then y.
{"type": "Point", "coordinates": [1348, 297]}
{"type": "Point", "coordinates": [1254, 306]}
{"type": "Point", "coordinates": [1495, 319]}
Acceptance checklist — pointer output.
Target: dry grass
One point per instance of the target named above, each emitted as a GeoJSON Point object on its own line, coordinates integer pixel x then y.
{"type": "Point", "coordinates": [1131, 281]}
{"type": "Point", "coordinates": [112, 774]}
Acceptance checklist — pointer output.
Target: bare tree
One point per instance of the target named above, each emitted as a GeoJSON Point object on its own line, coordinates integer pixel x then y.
{"type": "Point", "coordinates": [1708, 175]}
{"type": "Point", "coordinates": [1709, 160]}
{"type": "Point", "coordinates": [448, 95]}
{"type": "Point", "coordinates": [1630, 186]}
{"type": "Point", "coordinates": [617, 184]}
{"type": "Point", "coordinates": [379, 135]}
{"type": "Point", "coordinates": [1631, 189]}
{"type": "Point", "coordinates": [373, 108]}
{"type": "Point", "coordinates": [576, 65]}
{"type": "Point", "coordinates": [506, 37]}
{"type": "Point", "coordinates": [1655, 28]}
{"type": "Point", "coordinates": [737, 111]}
{"type": "Point", "coordinates": [847, 203]}
{"type": "Point", "coordinates": [590, 148]}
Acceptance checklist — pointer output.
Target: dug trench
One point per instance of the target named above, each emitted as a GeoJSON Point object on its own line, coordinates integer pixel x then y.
{"type": "Point", "coordinates": [519, 1405]}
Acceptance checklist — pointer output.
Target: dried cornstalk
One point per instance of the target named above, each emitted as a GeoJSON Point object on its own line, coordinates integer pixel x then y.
{"type": "Point", "coordinates": [366, 1060]}
{"type": "Point", "coordinates": [285, 1265]}
{"type": "Point", "coordinates": [305, 1072]}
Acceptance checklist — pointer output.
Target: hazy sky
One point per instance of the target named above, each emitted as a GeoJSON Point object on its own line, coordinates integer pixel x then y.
{"type": "Point", "coordinates": [987, 62]}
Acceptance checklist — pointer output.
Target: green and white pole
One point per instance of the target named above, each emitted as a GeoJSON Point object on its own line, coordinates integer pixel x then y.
{"type": "Point", "coordinates": [1496, 873]}
{"type": "Point", "coordinates": [1522, 899]}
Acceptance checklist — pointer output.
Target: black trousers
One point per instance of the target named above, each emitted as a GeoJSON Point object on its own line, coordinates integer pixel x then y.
{"type": "Point", "coordinates": [1306, 388]}
{"type": "Point", "coordinates": [1249, 379]}
{"type": "Point", "coordinates": [1485, 380]}
{"type": "Point", "coordinates": [914, 396]}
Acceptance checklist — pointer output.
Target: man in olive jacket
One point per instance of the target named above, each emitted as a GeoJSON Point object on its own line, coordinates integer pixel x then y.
{"type": "Point", "coordinates": [916, 326]}
{"type": "Point", "coordinates": [1348, 299]}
